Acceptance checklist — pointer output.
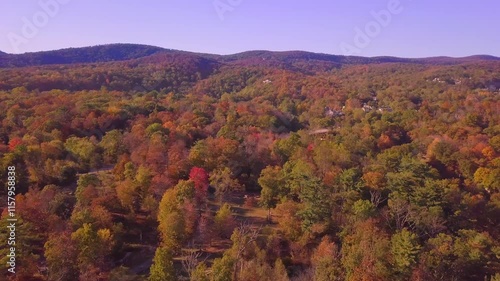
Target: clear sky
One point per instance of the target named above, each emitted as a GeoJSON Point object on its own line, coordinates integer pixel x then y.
{"type": "Point", "coordinates": [412, 28]}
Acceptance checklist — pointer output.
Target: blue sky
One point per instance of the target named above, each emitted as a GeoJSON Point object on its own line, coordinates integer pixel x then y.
{"type": "Point", "coordinates": [411, 28]}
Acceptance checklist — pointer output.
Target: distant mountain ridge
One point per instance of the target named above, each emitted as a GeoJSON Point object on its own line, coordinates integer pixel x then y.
{"type": "Point", "coordinates": [94, 54]}
{"type": "Point", "coordinates": [125, 52]}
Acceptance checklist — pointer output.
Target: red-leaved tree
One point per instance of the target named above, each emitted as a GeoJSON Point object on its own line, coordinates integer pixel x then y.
{"type": "Point", "coordinates": [200, 178]}
{"type": "Point", "coordinates": [13, 143]}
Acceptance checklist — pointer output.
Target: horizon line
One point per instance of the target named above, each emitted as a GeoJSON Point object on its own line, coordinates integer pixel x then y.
{"type": "Point", "coordinates": [246, 51]}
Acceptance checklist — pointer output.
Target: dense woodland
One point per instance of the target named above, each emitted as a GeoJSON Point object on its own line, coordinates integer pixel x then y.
{"type": "Point", "coordinates": [170, 165]}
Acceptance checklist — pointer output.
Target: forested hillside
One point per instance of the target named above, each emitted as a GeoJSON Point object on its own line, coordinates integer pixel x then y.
{"type": "Point", "coordinates": [103, 53]}
{"type": "Point", "coordinates": [138, 163]}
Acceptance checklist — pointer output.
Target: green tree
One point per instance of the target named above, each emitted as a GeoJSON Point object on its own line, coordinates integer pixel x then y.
{"type": "Point", "coordinates": [94, 246]}
{"type": "Point", "coordinates": [439, 257]}
{"type": "Point", "coordinates": [112, 146]}
{"type": "Point", "coordinates": [185, 190]}
{"type": "Point", "coordinates": [350, 180]}
{"type": "Point", "coordinates": [470, 255]}
{"type": "Point", "coordinates": [162, 268]}
{"type": "Point", "coordinates": [405, 250]}
{"type": "Point", "coordinates": [200, 273]}
{"type": "Point", "coordinates": [156, 128]}
{"type": "Point", "coordinates": [488, 178]}
{"type": "Point", "coordinates": [172, 224]}
{"type": "Point", "coordinates": [287, 147]}
{"type": "Point", "coordinates": [272, 183]}
{"type": "Point", "coordinates": [476, 253]}
{"type": "Point", "coordinates": [143, 177]}
{"type": "Point", "coordinates": [222, 268]}
{"type": "Point", "coordinates": [312, 193]}
{"type": "Point", "coordinates": [84, 152]}
{"type": "Point", "coordinates": [224, 221]}
{"type": "Point", "coordinates": [363, 209]}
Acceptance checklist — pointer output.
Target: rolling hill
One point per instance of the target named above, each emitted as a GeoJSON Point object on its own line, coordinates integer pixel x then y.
{"type": "Point", "coordinates": [125, 52]}
{"type": "Point", "coordinates": [104, 53]}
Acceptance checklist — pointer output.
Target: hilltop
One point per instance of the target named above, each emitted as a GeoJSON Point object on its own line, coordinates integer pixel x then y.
{"type": "Point", "coordinates": [125, 52]}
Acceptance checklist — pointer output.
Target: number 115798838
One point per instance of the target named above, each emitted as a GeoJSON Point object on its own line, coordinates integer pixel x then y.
{"type": "Point", "coordinates": [11, 191]}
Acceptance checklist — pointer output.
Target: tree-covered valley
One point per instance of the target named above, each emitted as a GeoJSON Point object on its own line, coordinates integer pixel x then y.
{"type": "Point", "coordinates": [139, 163]}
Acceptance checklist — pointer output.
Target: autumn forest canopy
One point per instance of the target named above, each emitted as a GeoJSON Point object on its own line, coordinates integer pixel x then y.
{"type": "Point", "coordinates": [140, 163]}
